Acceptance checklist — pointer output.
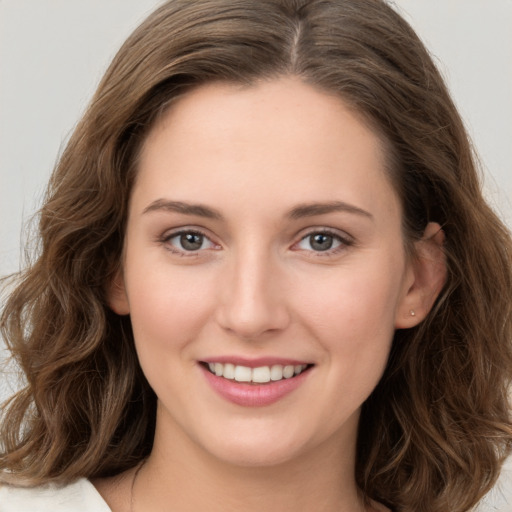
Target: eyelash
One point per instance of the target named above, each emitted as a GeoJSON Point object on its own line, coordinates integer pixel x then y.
{"type": "Point", "coordinates": [344, 242]}
{"type": "Point", "coordinates": [166, 241]}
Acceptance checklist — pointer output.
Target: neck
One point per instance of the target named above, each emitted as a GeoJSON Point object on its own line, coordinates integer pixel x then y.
{"type": "Point", "coordinates": [181, 473]}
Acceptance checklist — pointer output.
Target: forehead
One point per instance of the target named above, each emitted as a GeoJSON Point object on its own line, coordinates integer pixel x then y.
{"type": "Point", "coordinates": [283, 136]}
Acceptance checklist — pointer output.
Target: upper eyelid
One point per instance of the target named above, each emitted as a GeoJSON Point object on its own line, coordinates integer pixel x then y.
{"type": "Point", "coordinates": [343, 235]}
{"type": "Point", "coordinates": [171, 233]}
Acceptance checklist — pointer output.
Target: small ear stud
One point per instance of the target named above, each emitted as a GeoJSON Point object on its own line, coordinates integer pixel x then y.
{"type": "Point", "coordinates": [412, 312]}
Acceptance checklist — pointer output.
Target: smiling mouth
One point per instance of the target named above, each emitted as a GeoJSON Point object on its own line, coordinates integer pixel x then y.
{"type": "Point", "coordinates": [258, 375]}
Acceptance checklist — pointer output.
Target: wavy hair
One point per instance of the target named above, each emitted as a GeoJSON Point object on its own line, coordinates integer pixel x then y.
{"type": "Point", "coordinates": [435, 431]}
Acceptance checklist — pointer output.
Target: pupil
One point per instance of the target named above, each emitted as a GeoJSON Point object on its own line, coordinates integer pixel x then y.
{"type": "Point", "coordinates": [191, 241]}
{"type": "Point", "coordinates": [321, 242]}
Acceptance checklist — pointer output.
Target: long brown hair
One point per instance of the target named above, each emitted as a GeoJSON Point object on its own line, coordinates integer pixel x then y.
{"type": "Point", "coordinates": [436, 429]}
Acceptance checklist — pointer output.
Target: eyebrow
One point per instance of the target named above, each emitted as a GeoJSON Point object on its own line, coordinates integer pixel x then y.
{"type": "Point", "coordinates": [181, 207]}
{"type": "Point", "coordinates": [312, 209]}
{"type": "Point", "coordinates": [298, 212]}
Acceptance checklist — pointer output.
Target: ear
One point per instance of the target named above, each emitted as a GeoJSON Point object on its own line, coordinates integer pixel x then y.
{"type": "Point", "coordinates": [428, 276]}
{"type": "Point", "coordinates": [116, 295]}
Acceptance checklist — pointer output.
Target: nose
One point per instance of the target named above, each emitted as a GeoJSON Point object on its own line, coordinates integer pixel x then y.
{"type": "Point", "coordinates": [252, 297]}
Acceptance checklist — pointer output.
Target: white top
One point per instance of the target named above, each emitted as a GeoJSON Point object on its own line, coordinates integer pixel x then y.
{"type": "Point", "coordinates": [80, 496]}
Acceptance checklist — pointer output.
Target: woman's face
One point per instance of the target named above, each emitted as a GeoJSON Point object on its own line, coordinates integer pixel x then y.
{"type": "Point", "coordinates": [264, 240]}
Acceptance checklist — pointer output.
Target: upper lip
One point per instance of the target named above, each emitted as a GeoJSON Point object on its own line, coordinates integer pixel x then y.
{"type": "Point", "coordinates": [254, 362]}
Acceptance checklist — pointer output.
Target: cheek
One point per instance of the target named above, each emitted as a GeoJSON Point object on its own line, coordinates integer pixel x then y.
{"type": "Point", "coordinates": [352, 313]}
{"type": "Point", "coordinates": [350, 317]}
{"type": "Point", "coordinates": [168, 308]}
{"type": "Point", "coordinates": [353, 303]}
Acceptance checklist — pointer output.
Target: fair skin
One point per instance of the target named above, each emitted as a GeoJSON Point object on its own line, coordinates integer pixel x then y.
{"type": "Point", "coordinates": [263, 229]}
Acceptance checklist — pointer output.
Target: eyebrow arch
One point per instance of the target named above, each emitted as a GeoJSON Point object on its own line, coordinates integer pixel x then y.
{"type": "Point", "coordinates": [298, 212]}
{"type": "Point", "coordinates": [184, 208]}
{"type": "Point", "coordinates": [312, 209]}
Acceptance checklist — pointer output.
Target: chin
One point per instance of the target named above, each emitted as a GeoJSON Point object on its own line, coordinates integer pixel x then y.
{"type": "Point", "coordinates": [248, 454]}
{"type": "Point", "coordinates": [260, 443]}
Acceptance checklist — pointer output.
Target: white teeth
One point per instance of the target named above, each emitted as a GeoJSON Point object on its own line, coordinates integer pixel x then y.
{"type": "Point", "coordinates": [261, 374]}
{"type": "Point", "coordinates": [229, 371]}
{"type": "Point", "coordinates": [276, 372]}
{"type": "Point", "coordinates": [243, 374]}
{"type": "Point", "coordinates": [288, 371]}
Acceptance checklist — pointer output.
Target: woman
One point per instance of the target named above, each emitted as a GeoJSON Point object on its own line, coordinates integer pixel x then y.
{"type": "Point", "coordinates": [267, 273]}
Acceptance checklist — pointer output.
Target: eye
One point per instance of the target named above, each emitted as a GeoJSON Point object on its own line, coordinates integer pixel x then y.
{"type": "Point", "coordinates": [323, 241]}
{"type": "Point", "coordinates": [188, 241]}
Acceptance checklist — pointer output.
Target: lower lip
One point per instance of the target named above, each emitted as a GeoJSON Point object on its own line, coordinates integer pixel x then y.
{"type": "Point", "coordinates": [253, 395]}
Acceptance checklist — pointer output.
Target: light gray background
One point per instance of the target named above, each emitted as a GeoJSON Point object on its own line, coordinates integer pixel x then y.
{"type": "Point", "coordinates": [53, 53]}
